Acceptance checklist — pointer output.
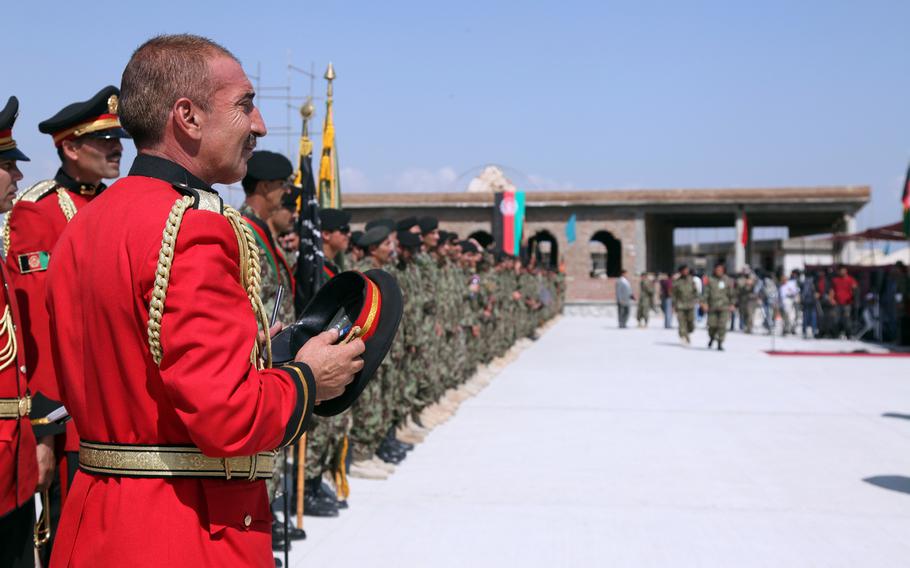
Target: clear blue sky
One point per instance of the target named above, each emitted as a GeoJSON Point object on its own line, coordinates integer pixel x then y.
{"type": "Point", "coordinates": [568, 95]}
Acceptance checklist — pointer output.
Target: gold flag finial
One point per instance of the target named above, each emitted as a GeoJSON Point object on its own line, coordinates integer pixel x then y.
{"type": "Point", "coordinates": [308, 109]}
{"type": "Point", "coordinates": [330, 73]}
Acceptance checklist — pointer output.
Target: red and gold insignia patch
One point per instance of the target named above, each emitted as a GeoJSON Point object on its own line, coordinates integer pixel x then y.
{"type": "Point", "coordinates": [33, 261]}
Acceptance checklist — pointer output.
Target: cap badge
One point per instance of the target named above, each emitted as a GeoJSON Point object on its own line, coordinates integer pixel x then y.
{"type": "Point", "coordinates": [113, 104]}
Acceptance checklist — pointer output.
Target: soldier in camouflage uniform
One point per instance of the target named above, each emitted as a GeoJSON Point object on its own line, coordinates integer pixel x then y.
{"type": "Point", "coordinates": [268, 210]}
{"type": "Point", "coordinates": [685, 296]}
{"type": "Point", "coordinates": [368, 411]}
{"type": "Point", "coordinates": [721, 299]}
{"type": "Point", "coordinates": [645, 299]}
{"type": "Point", "coordinates": [325, 440]}
{"type": "Point", "coordinates": [746, 299]}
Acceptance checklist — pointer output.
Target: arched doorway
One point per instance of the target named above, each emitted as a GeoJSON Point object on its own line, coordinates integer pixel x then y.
{"type": "Point", "coordinates": [610, 263]}
{"type": "Point", "coordinates": [544, 249]}
{"type": "Point", "coordinates": [484, 238]}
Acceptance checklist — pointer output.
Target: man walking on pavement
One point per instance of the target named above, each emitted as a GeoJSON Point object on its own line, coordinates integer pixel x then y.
{"type": "Point", "coordinates": [685, 296]}
{"type": "Point", "coordinates": [720, 299]}
{"type": "Point", "coordinates": [624, 298]}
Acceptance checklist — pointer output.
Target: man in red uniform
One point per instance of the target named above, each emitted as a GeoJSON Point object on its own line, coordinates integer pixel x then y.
{"type": "Point", "coordinates": [87, 136]}
{"type": "Point", "coordinates": [18, 466]}
{"type": "Point", "coordinates": [155, 328]}
{"type": "Point", "coordinates": [843, 289]}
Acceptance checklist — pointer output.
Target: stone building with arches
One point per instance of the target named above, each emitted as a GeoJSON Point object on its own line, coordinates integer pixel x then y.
{"type": "Point", "coordinates": [626, 230]}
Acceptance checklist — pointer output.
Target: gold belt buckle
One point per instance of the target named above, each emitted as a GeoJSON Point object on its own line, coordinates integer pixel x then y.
{"type": "Point", "coordinates": [25, 406]}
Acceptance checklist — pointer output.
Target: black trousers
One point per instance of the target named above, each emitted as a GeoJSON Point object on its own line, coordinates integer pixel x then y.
{"type": "Point", "coordinates": [17, 549]}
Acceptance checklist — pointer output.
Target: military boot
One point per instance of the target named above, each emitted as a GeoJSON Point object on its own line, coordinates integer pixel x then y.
{"type": "Point", "coordinates": [314, 502]}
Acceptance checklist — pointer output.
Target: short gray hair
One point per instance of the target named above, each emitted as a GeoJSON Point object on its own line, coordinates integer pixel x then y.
{"type": "Point", "coordinates": [162, 70]}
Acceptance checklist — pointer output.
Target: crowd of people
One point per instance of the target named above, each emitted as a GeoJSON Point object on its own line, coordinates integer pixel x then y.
{"type": "Point", "coordinates": [143, 308]}
{"type": "Point", "coordinates": [817, 302]}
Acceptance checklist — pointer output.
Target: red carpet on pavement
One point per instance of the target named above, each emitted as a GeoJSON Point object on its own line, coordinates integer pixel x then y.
{"type": "Point", "coordinates": [835, 354]}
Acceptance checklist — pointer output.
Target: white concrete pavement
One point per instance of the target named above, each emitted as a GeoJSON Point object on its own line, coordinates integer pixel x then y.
{"type": "Point", "coordinates": [608, 447]}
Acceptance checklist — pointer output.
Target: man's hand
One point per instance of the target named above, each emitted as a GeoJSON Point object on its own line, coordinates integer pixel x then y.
{"type": "Point", "coordinates": [333, 366]}
{"type": "Point", "coordinates": [273, 331]}
{"type": "Point", "coordinates": [46, 462]}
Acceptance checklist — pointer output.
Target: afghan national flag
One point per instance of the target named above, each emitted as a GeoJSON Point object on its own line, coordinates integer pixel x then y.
{"type": "Point", "coordinates": [744, 238]}
{"type": "Point", "coordinates": [329, 180]}
{"type": "Point", "coordinates": [311, 259]}
{"type": "Point", "coordinates": [508, 221]}
{"type": "Point", "coordinates": [905, 201]}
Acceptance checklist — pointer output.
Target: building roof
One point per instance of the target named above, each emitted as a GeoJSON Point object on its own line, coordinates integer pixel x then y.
{"type": "Point", "coordinates": [856, 195]}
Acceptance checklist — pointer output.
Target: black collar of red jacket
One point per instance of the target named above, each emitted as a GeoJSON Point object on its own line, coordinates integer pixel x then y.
{"type": "Point", "coordinates": [161, 168]}
{"type": "Point", "coordinates": [67, 181]}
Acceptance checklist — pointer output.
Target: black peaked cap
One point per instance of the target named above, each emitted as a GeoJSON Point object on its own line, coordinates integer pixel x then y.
{"type": "Point", "coordinates": [8, 116]}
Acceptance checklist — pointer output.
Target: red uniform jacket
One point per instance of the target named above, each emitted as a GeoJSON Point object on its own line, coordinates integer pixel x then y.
{"type": "Point", "coordinates": [35, 225]}
{"type": "Point", "coordinates": [204, 393]}
{"type": "Point", "coordinates": [18, 462]}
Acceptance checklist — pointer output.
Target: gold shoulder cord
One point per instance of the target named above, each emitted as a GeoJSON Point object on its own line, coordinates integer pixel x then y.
{"type": "Point", "coordinates": [66, 204]}
{"type": "Point", "coordinates": [31, 193]}
{"type": "Point", "coordinates": [250, 277]}
{"type": "Point", "coordinates": [8, 352]}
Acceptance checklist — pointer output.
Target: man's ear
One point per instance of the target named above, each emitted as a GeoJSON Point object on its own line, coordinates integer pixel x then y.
{"type": "Point", "coordinates": [187, 118]}
{"type": "Point", "coordinates": [69, 149]}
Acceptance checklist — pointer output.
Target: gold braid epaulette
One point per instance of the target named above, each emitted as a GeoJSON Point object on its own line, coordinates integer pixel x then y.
{"type": "Point", "coordinates": [66, 204]}
{"type": "Point", "coordinates": [8, 328]}
{"type": "Point", "coordinates": [32, 193]}
{"type": "Point", "coordinates": [250, 277]}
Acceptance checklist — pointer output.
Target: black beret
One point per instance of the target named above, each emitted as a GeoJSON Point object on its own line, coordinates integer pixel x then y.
{"type": "Point", "coordinates": [355, 238]}
{"type": "Point", "coordinates": [387, 223]}
{"type": "Point", "coordinates": [409, 240]}
{"type": "Point", "coordinates": [8, 149]}
{"type": "Point", "coordinates": [428, 224]}
{"type": "Point", "coordinates": [334, 219]}
{"type": "Point", "coordinates": [95, 118]}
{"type": "Point", "coordinates": [267, 166]}
{"type": "Point", "coordinates": [443, 235]}
{"type": "Point", "coordinates": [374, 236]}
{"type": "Point", "coordinates": [451, 237]}
{"type": "Point", "coordinates": [467, 246]}
{"type": "Point", "coordinates": [406, 223]}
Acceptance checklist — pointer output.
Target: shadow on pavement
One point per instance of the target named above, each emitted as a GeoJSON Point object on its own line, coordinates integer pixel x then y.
{"type": "Point", "coordinates": [896, 415]}
{"type": "Point", "coordinates": [900, 483]}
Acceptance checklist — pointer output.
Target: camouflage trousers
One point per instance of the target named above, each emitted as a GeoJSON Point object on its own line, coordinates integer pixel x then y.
{"type": "Point", "coordinates": [367, 419]}
{"type": "Point", "coordinates": [718, 322]}
{"type": "Point", "coordinates": [686, 320]}
{"type": "Point", "coordinates": [323, 442]}
{"type": "Point", "coordinates": [644, 312]}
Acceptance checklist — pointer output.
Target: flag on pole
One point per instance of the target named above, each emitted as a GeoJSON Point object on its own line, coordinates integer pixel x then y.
{"type": "Point", "coordinates": [329, 178]}
{"type": "Point", "coordinates": [311, 258]}
{"type": "Point", "coordinates": [744, 238]}
{"type": "Point", "coordinates": [508, 221]}
{"type": "Point", "coordinates": [570, 229]}
{"type": "Point", "coordinates": [905, 201]}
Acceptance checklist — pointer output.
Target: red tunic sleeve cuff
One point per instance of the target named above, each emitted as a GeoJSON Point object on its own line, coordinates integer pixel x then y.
{"type": "Point", "coordinates": [302, 415]}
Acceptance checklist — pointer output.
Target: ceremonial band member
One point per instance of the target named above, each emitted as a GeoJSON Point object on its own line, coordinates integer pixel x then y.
{"type": "Point", "coordinates": [87, 137]}
{"type": "Point", "coordinates": [19, 473]}
{"type": "Point", "coordinates": [153, 296]}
